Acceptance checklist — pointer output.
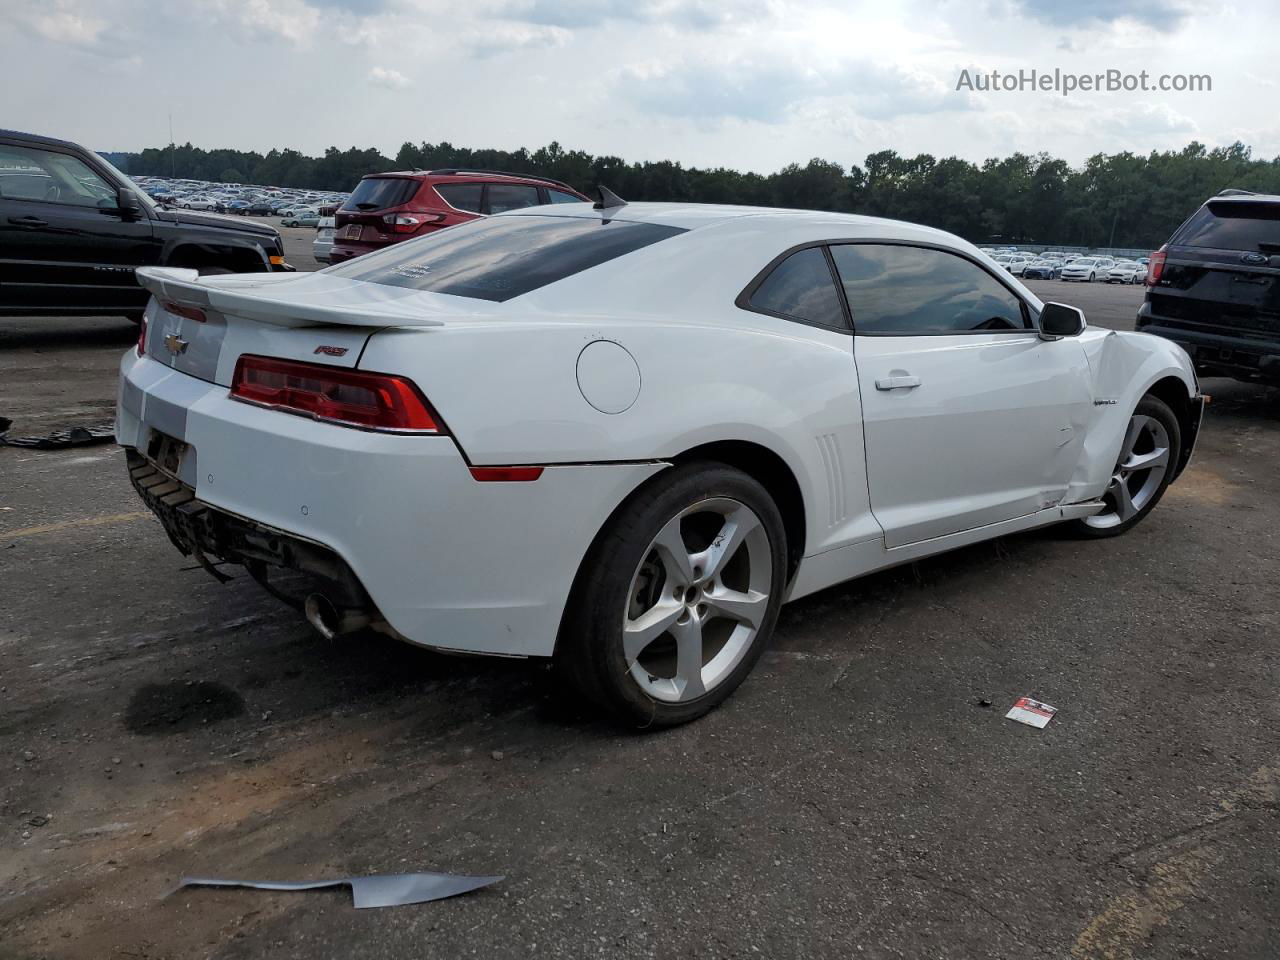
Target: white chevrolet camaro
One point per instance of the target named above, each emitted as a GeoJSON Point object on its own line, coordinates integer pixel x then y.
{"type": "Point", "coordinates": [622, 437]}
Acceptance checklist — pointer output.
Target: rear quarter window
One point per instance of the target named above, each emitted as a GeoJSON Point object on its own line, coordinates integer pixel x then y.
{"type": "Point", "coordinates": [462, 196]}
{"type": "Point", "coordinates": [504, 257]}
{"type": "Point", "coordinates": [802, 288]}
{"type": "Point", "coordinates": [1232, 225]}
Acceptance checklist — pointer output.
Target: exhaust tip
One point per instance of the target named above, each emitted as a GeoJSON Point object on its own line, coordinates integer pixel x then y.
{"type": "Point", "coordinates": [322, 615]}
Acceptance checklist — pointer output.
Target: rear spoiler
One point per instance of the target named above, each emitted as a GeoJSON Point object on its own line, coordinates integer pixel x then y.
{"type": "Point", "coordinates": [256, 296]}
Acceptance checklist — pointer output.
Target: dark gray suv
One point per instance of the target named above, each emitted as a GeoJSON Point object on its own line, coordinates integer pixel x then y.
{"type": "Point", "coordinates": [1214, 288]}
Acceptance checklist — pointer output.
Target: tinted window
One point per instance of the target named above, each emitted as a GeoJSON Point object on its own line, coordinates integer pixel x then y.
{"type": "Point", "coordinates": [378, 193]}
{"type": "Point", "coordinates": [511, 196]}
{"type": "Point", "coordinates": [27, 174]}
{"type": "Point", "coordinates": [908, 290]}
{"type": "Point", "coordinates": [559, 196]}
{"type": "Point", "coordinates": [504, 257]}
{"type": "Point", "coordinates": [461, 196]}
{"type": "Point", "coordinates": [1232, 225]}
{"type": "Point", "coordinates": [801, 287]}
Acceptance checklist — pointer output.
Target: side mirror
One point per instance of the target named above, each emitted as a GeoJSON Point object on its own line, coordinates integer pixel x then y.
{"type": "Point", "coordinates": [1058, 320]}
{"type": "Point", "coordinates": [128, 204]}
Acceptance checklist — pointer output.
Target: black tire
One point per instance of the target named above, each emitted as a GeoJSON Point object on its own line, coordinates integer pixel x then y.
{"type": "Point", "coordinates": [589, 657]}
{"type": "Point", "coordinates": [1157, 409]}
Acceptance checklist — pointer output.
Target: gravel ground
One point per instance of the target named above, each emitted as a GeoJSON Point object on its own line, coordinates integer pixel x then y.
{"type": "Point", "coordinates": [861, 795]}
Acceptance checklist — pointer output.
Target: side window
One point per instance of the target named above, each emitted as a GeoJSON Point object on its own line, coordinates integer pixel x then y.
{"type": "Point", "coordinates": [801, 287]}
{"type": "Point", "coordinates": [511, 196]}
{"type": "Point", "coordinates": [909, 290]}
{"type": "Point", "coordinates": [27, 174]}
{"type": "Point", "coordinates": [559, 196]}
{"type": "Point", "coordinates": [461, 196]}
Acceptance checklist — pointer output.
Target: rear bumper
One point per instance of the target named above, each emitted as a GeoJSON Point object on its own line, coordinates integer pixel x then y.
{"type": "Point", "coordinates": [449, 562]}
{"type": "Point", "coordinates": [1226, 354]}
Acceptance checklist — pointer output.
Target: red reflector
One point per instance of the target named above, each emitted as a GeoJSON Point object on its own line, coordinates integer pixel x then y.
{"type": "Point", "coordinates": [354, 398]}
{"type": "Point", "coordinates": [181, 310]}
{"type": "Point", "coordinates": [142, 336]}
{"type": "Point", "coordinates": [506, 474]}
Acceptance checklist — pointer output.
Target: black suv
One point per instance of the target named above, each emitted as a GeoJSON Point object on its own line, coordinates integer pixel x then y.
{"type": "Point", "coordinates": [73, 228]}
{"type": "Point", "coordinates": [1214, 288]}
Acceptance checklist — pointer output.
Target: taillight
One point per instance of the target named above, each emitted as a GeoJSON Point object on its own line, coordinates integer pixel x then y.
{"type": "Point", "coordinates": [1156, 267]}
{"type": "Point", "coordinates": [353, 398]}
{"type": "Point", "coordinates": [405, 223]}
{"type": "Point", "coordinates": [142, 336]}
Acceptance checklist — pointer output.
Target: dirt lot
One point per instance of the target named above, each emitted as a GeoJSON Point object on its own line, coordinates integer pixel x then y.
{"type": "Point", "coordinates": [857, 797]}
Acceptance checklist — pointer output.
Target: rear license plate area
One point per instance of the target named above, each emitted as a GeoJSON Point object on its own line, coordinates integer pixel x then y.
{"type": "Point", "coordinates": [352, 231]}
{"type": "Point", "coordinates": [167, 453]}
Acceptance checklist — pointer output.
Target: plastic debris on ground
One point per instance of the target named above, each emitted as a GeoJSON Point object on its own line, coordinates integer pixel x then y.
{"type": "Point", "coordinates": [74, 437]}
{"type": "Point", "coordinates": [376, 890]}
{"type": "Point", "coordinates": [1031, 712]}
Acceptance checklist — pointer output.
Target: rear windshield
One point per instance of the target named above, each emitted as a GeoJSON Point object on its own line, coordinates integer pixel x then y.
{"type": "Point", "coordinates": [378, 193]}
{"type": "Point", "coordinates": [503, 257]}
{"type": "Point", "coordinates": [1232, 225]}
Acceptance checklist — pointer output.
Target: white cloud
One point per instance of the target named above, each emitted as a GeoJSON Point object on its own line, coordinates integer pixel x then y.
{"type": "Point", "coordinates": [496, 38]}
{"type": "Point", "coordinates": [391, 79]}
{"type": "Point", "coordinates": [293, 20]}
{"type": "Point", "coordinates": [768, 87]}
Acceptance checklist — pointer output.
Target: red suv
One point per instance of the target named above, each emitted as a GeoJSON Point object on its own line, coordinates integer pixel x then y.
{"type": "Point", "coordinates": [386, 208]}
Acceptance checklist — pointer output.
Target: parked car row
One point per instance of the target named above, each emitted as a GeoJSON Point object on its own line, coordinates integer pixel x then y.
{"type": "Point", "coordinates": [246, 199]}
{"type": "Point", "coordinates": [1077, 267]}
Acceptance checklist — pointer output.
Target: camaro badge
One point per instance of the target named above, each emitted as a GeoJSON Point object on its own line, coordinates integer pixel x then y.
{"type": "Point", "coordinates": [175, 344]}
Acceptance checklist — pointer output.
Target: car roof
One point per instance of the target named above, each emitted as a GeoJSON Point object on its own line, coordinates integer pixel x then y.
{"type": "Point", "coordinates": [692, 216]}
{"type": "Point", "coordinates": [460, 175]}
{"type": "Point", "coordinates": [37, 138]}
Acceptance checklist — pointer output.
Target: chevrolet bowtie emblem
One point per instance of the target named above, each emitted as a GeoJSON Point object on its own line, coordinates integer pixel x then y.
{"type": "Point", "coordinates": [175, 344]}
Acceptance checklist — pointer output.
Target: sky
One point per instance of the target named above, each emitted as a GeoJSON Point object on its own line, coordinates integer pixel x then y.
{"type": "Point", "coordinates": [746, 84]}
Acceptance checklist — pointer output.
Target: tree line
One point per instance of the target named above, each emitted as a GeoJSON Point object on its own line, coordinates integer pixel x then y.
{"type": "Point", "coordinates": [1120, 199]}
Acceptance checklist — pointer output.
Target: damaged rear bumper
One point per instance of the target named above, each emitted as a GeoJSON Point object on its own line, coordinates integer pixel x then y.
{"type": "Point", "coordinates": [206, 533]}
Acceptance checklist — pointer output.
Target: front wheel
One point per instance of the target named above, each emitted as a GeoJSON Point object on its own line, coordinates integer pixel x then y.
{"type": "Point", "coordinates": [1150, 449]}
{"type": "Point", "coordinates": [677, 598]}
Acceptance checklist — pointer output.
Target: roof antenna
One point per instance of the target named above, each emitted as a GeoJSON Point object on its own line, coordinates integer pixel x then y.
{"type": "Point", "coordinates": [608, 199]}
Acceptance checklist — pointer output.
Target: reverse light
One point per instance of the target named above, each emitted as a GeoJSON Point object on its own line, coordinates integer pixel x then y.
{"type": "Point", "coordinates": [351, 398]}
{"type": "Point", "coordinates": [1156, 266]}
{"type": "Point", "coordinates": [404, 223]}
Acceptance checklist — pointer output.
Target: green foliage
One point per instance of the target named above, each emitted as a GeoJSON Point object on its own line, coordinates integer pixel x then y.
{"type": "Point", "coordinates": [1120, 199]}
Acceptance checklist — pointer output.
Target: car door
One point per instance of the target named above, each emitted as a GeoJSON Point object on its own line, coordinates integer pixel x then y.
{"type": "Point", "coordinates": [969, 417]}
{"type": "Point", "coordinates": [65, 246]}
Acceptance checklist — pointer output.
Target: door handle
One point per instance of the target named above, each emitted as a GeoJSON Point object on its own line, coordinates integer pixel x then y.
{"type": "Point", "coordinates": [28, 222]}
{"type": "Point", "coordinates": [893, 383]}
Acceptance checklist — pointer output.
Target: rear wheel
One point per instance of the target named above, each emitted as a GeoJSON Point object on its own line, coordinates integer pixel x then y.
{"type": "Point", "coordinates": [678, 599]}
{"type": "Point", "coordinates": [1152, 443]}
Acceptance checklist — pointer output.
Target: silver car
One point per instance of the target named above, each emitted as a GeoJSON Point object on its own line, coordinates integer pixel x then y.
{"type": "Point", "coordinates": [322, 245]}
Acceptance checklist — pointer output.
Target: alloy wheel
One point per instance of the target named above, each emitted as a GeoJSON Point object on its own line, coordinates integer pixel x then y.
{"type": "Point", "coordinates": [697, 600]}
{"type": "Point", "coordinates": [1144, 460]}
